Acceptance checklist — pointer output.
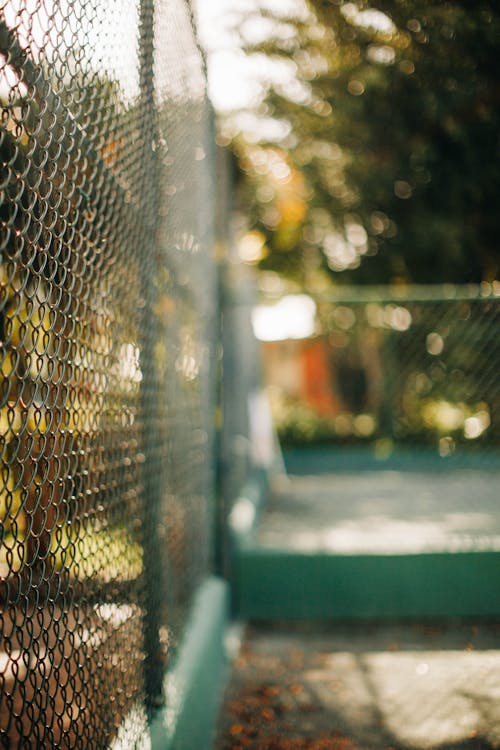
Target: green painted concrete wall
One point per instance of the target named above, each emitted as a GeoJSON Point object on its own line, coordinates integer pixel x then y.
{"type": "Point", "coordinates": [277, 584]}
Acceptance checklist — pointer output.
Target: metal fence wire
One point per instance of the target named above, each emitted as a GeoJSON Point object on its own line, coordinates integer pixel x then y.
{"type": "Point", "coordinates": [411, 370]}
{"type": "Point", "coordinates": [107, 328]}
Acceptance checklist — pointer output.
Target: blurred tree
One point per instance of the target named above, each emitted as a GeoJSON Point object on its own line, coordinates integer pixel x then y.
{"type": "Point", "coordinates": [392, 147]}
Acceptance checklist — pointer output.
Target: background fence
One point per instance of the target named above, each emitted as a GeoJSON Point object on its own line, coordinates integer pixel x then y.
{"type": "Point", "coordinates": [414, 369]}
{"type": "Point", "coordinates": [108, 323]}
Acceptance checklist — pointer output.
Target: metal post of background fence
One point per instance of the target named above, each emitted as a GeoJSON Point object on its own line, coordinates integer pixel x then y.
{"type": "Point", "coordinates": [154, 662]}
{"type": "Point", "coordinates": [388, 411]}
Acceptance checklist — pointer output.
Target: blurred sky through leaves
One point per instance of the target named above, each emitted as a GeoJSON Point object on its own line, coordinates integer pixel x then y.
{"type": "Point", "coordinates": [366, 136]}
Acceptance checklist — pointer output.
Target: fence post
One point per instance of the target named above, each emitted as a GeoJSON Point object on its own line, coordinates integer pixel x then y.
{"type": "Point", "coordinates": [154, 661]}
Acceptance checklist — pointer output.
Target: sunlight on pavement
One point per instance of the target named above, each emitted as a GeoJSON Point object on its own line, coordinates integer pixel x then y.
{"type": "Point", "coordinates": [367, 687]}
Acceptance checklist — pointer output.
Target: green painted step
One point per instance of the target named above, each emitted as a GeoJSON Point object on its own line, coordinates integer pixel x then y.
{"type": "Point", "coordinates": [194, 686]}
{"type": "Point", "coordinates": [407, 540]}
{"type": "Point", "coordinates": [276, 584]}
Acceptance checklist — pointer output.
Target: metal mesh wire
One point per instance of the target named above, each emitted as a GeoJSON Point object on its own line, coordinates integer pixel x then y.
{"type": "Point", "coordinates": [107, 314]}
{"type": "Point", "coordinates": [418, 369]}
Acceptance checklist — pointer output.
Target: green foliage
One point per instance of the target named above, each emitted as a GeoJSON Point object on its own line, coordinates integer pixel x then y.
{"type": "Point", "coordinates": [395, 131]}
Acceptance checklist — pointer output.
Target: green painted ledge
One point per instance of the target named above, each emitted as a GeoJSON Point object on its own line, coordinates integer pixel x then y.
{"type": "Point", "coordinates": [194, 686]}
{"type": "Point", "coordinates": [277, 584]}
{"type": "Point", "coordinates": [327, 459]}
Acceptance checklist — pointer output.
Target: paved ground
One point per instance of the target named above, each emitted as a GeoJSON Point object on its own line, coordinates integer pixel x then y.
{"type": "Point", "coordinates": [362, 687]}
{"type": "Point", "coordinates": [379, 686]}
{"type": "Point", "coordinates": [392, 512]}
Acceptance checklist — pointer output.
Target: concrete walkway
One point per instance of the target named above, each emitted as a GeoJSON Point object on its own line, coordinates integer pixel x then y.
{"type": "Point", "coordinates": [364, 687]}
{"type": "Point", "coordinates": [384, 512]}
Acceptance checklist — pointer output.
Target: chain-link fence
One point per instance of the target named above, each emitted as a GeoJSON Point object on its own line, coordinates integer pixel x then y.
{"type": "Point", "coordinates": [418, 369]}
{"type": "Point", "coordinates": [107, 325]}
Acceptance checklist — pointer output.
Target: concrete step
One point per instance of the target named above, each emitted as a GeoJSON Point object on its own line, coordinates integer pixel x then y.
{"type": "Point", "coordinates": [373, 544]}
